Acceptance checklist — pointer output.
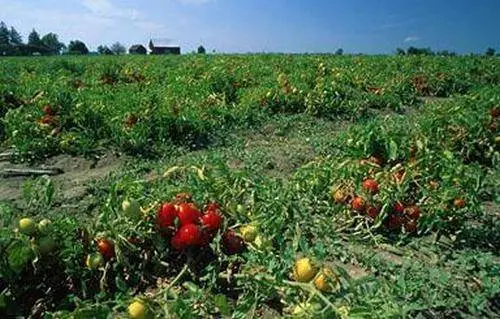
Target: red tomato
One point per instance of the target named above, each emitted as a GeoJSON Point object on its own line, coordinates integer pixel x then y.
{"type": "Point", "coordinates": [211, 221]}
{"type": "Point", "coordinates": [106, 248]}
{"type": "Point", "coordinates": [212, 206]}
{"type": "Point", "coordinates": [187, 236]}
{"type": "Point", "coordinates": [232, 244]}
{"type": "Point", "coordinates": [206, 237]}
{"type": "Point", "coordinates": [47, 119]}
{"type": "Point", "coordinates": [411, 226]}
{"type": "Point", "coordinates": [394, 222]}
{"type": "Point", "coordinates": [188, 214]}
{"type": "Point", "coordinates": [413, 212]}
{"type": "Point", "coordinates": [48, 110]}
{"type": "Point", "coordinates": [398, 208]}
{"type": "Point", "coordinates": [372, 211]}
{"type": "Point", "coordinates": [358, 204]}
{"type": "Point", "coordinates": [166, 216]}
{"type": "Point", "coordinates": [459, 203]}
{"type": "Point", "coordinates": [371, 186]}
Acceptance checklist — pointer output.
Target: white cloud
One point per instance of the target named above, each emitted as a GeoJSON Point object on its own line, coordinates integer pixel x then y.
{"type": "Point", "coordinates": [411, 39]}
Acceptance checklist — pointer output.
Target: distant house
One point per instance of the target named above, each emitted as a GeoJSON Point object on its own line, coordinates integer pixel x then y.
{"type": "Point", "coordinates": [137, 49]}
{"type": "Point", "coordinates": [163, 47]}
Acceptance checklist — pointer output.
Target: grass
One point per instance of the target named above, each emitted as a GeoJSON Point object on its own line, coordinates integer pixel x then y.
{"type": "Point", "coordinates": [270, 157]}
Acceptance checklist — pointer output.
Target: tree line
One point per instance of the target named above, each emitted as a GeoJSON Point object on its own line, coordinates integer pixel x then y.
{"type": "Point", "coordinates": [429, 52]}
{"type": "Point", "coordinates": [12, 44]}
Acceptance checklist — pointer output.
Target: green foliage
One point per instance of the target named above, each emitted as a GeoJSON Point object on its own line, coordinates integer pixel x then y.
{"type": "Point", "coordinates": [269, 138]}
{"type": "Point", "coordinates": [77, 47]}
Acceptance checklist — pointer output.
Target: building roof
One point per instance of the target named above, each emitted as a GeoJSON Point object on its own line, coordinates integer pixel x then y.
{"type": "Point", "coordinates": [137, 46]}
{"type": "Point", "coordinates": [164, 43]}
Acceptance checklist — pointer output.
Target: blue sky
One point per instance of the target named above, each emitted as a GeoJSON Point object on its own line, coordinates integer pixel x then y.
{"type": "Point", "coordinates": [368, 26]}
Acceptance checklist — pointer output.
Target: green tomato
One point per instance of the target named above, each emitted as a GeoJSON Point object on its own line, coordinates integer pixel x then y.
{"type": "Point", "coordinates": [27, 226]}
{"type": "Point", "coordinates": [249, 233]}
{"type": "Point", "coordinates": [131, 208]}
{"type": "Point", "coordinates": [46, 245]}
{"type": "Point", "coordinates": [94, 261]}
{"type": "Point", "coordinates": [45, 226]}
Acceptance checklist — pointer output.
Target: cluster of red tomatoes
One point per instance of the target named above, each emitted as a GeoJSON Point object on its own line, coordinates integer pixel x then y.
{"type": "Point", "coordinates": [402, 215]}
{"type": "Point", "coordinates": [186, 226]}
{"type": "Point", "coordinates": [49, 116]}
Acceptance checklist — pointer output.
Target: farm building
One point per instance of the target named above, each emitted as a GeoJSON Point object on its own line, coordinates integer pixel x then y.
{"type": "Point", "coordinates": [163, 47]}
{"type": "Point", "coordinates": [137, 49]}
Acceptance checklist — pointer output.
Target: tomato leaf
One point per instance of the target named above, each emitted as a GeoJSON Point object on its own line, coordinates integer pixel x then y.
{"type": "Point", "coordinates": [393, 150]}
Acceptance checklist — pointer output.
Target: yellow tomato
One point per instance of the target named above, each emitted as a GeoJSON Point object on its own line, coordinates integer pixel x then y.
{"type": "Point", "coordinates": [27, 226]}
{"type": "Point", "coordinates": [138, 310]}
{"type": "Point", "coordinates": [326, 281]}
{"type": "Point", "coordinates": [304, 270]}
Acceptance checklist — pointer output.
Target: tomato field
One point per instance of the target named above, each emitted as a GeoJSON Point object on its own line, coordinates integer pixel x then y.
{"type": "Point", "coordinates": [249, 186]}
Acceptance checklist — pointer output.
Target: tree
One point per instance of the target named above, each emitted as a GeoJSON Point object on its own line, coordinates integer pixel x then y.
{"type": "Point", "coordinates": [490, 52]}
{"type": "Point", "coordinates": [419, 51]}
{"type": "Point", "coordinates": [339, 51]}
{"type": "Point", "coordinates": [4, 34]}
{"type": "Point", "coordinates": [201, 50]}
{"type": "Point", "coordinates": [445, 53]}
{"type": "Point", "coordinates": [52, 44]}
{"type": "Point", "coordinates": [118, 48]}
{"type": "Point", "coordinates": [400, 51]}
{"type": "Point", "coordinates": [34, 39]}
{"type": "Point", "coordinates": [15, 37]}
{"type": "Point", "coordinates": [77, 47]}
{"type": "Point", "coordinates": [104, 50]}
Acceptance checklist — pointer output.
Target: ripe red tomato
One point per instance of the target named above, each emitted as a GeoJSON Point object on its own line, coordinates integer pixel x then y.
{"type": "Point", "coordinates": [206, 237]}
{"type": "Point", "coordinates": [411, 226]}
{"type": "Point", "coordinates": [495, 112]}
{"type": "Point", "coordinates": [106, 248]}
{"type": "Point", "coordinates": [48, 110]}
{"type": "Point", "coordinates": [372, 211]}
{"type": "Point", "coordinates": [358, 204]}
{"type": "Point", "coordinates": [377, 160]}
{"type": "Point", "coordinates": [413, 212]}
{"type": "Point", "coordinates": [212, 206]}
{"type": "Point", "coordinates": [131, 120]}
{"type": "Point", "coordinates": [166, 216]}
{"type": "Point", "coordinates": [187, 236]}
{"type": "Point", "coordinates": [394, 222]}
{"type": "Point", "coordinates": [371, 186]}
{"type": "Point", "coordinates": [459, 203]}
{"type": "Point", "coordinates": [398, 176]}
{"type": "Point", "coordinates": [211, 221]}
{"type": "Point", "coordinates": [47, 119]}
{"type": "Point", "coordinates": [188, 214]}
{"type": "Point", "coordinates": [232, 244]}
{"type": "Point", "coordinates": [398, 208]}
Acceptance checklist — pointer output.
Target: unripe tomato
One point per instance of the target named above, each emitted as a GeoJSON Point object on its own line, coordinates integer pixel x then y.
{"type": "Point", "coordinates": [94, 261]}
{"type": "Point", "coordinates": [138, 310]}
{"type": "Point", "coordinates": [44, 226]}
{"type": "Point", "coordinates": [304, 270]}
{"type": "Point", "coordinates": [131, 208]}
{"type": "Point", "coordinates": [249, 233]}
{"type": "Point", "coordinates": [27, 226]}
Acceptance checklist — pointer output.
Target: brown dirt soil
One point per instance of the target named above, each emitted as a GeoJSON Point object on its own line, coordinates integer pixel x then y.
{"type": "Point", "coordinates": [78, 172]}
